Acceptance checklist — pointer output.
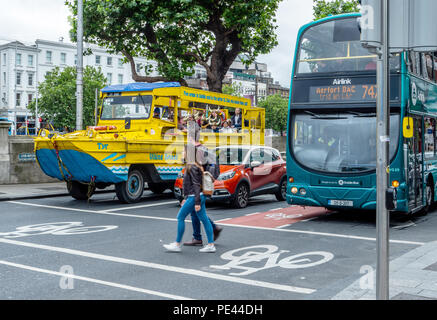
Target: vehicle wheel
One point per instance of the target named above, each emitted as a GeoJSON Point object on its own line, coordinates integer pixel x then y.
{"type": "Point", "coordinates": [157, 188]}
{"type": "Point", "coordinates": [281, 194]}
{"type": "Point", "coordinates": [241, 198]}
{"type": "Point", "coordinates": [429, 199]}
{"type": "Point", "coordinates": [78, 191]}
{"type": "Point", "coordinates": [130, 191]}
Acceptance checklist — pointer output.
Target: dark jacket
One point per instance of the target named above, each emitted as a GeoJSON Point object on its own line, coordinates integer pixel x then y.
{"type": "Point", "coordinates": [236, 122]}
{"type": "Point", "coordinates": [193, 183]}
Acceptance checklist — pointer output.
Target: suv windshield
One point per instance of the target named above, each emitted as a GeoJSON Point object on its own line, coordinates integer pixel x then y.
{"type": "Point", "coordinates": [339, 143]}
{"type": "Point", "coordinates": [121, 107]}
{"type": "Point", "coordinates": [231, 156]}
{"type": "Point", "coordinates": [335, 46]}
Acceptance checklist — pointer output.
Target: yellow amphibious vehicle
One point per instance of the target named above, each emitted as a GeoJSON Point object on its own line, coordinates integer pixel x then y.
{"type": "Point", "coordinates": [140, 136]}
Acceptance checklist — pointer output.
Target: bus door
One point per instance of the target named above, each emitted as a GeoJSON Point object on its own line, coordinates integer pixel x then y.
{"type": "Point", "coordinates": [415, 166]}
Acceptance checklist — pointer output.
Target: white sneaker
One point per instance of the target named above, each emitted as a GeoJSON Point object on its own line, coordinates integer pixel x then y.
{"type": "Point", "coordinates": [174, 247]}
{"type": "Point", "coordinates": [208, 248]}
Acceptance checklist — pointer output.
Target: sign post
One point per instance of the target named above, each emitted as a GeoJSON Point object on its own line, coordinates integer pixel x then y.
{"type": "Point", "coordinates": [382, 164]}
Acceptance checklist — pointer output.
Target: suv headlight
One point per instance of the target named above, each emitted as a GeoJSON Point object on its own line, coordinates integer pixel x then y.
{"type": "Point", "coordinates": [226, 175]}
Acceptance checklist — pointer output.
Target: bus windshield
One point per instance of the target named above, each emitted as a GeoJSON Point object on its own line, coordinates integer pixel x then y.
{"type": "Point", "coordinates": [339, 142]}
{"type": "Point", "coordinates": [334, 46]}
{"type": "Point", "coordinates": [122, 107]}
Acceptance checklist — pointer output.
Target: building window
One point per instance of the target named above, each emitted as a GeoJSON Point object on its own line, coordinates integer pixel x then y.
{"type": "Point", "coordinates": [29, 98]}
{"type": "Point", "coordinates": [30, 60]}
{"type": "Point", "coordinates": [97, 59]}
{"type": "Point", "coordinates": [109, 77]}
{"type": "Point", "coordinates": [18, 79]}
{"type": "Point", "coordinates": [30, 79]}
{"type": "Point", "coordinates": [4, 59]}
{"type": "Point", "coordinates": [120, 63]}
{"type": "Point", "coordinates": [120, 78]}
{"type": "Point", "coordinates": [75, 59]}
{"type": "Point", "coordinates": [63, 58]}
{"type": "Point", "coordinates": [109, 61]}
{"type": "Point", "coordinates": [18, 99]}
{"type": "Point", "coordinates": [138, 67]}
{"type": "Point", "coordinates": [18, 59]}
{"type": "Point", "coordinates": [48, 56]}
{"type": "Point", "coordinates": [4, 78]}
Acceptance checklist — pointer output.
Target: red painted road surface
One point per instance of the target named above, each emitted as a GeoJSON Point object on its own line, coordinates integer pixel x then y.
{"type": "Point", "coordinates": [277, 218]}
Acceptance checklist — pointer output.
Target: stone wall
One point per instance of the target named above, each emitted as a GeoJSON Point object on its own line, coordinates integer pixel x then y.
{"type": "Point", "coordinates": [17, 160]}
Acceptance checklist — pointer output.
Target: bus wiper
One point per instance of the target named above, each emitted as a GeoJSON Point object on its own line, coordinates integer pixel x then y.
{"type": "Point", "coordinates": [361, 115]}
{"type": "Point", "coordinates": [316, 116]}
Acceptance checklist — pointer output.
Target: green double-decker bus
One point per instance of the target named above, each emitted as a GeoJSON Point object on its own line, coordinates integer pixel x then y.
{"type": "Point", "coordinates": [331, 149]}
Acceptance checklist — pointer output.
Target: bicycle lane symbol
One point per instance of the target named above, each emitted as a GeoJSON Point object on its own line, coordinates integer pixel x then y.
{"type": "Point", "coordinates": [241, 258]}
{"type": "Point", "coordinates": [54, 228]}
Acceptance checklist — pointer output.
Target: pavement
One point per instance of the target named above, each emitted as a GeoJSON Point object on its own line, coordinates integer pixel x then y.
{"type": "Point", "coordinates": [10, 192]}
{"type": "Point", "coordinates": [413, 276]}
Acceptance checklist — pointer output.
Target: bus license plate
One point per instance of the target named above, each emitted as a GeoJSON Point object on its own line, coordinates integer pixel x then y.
{"type": "Point", "coordinates": [341, 203]}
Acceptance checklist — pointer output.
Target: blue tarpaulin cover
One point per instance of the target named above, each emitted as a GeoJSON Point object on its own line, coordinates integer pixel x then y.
{"type": "Point", "coordinates": [139, 86]}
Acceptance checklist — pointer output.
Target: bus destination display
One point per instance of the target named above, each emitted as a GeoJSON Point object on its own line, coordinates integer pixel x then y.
{"type": "Point", "coordinates": [343, 93]}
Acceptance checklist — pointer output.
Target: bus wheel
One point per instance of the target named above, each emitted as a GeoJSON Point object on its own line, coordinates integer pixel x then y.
{"type": "Point", "coordinates": [429, 198]}
{"type": "Point", "coordinates": [77, 190]}
{"type": "Point", "coordinates": [157, 188]}
{"type": "Point", "coordinates": [130, 191]}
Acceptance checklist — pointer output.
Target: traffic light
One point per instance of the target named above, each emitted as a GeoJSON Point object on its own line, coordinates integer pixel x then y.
{"type": "Point", "coordinates": [412, 24]}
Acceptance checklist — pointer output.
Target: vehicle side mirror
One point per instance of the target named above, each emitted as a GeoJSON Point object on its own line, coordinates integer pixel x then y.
{"type": "Point", "coordinates": [255, 164]}
{"type": "Point", "coordinates": [408, 127]}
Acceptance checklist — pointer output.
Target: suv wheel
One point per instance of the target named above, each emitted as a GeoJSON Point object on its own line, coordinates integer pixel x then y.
{"type": "Point", "coordinates": [130, 191]}
{"type": "Point", "coordinates": [241, 198]}
{"type": "Point", "coordinates": [281, 194]}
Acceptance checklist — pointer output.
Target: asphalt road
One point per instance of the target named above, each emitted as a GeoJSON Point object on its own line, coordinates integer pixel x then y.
{"type": "Point", "coordinates": [60, 248]}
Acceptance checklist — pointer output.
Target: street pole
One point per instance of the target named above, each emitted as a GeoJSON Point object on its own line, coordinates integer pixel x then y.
{"type": "Point", "coordinates": [382, 166]}
{"type": "Point", "coordinates": [79, 80]}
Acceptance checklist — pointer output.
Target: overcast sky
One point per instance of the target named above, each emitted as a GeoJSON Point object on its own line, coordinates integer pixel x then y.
{"type": "Point", "coordinates": [28, 20]}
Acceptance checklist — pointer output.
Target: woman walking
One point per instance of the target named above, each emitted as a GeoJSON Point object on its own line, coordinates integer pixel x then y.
{"type": "Point", "coordinates": [194, 200]}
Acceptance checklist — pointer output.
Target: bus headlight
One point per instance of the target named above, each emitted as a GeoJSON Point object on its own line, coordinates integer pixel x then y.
{"type": "Point", "coordinates": [302, 191]}
{"type": "Point", "coordinates": [294, 190]}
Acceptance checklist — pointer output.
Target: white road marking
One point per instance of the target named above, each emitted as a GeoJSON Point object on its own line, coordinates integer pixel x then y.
{"type": "Point", "coordinates": [142, 206]}
{"type": "Point", "coordinates": [251, 214]}
{"type": "Point", "coordinates": [106, 283]}
{"type": "Point", "coordinates": [322, 234]}
{"type": "Point", "coordinates": [91, 211]}
{"type": "Point", "coordinates": [218, 222]}
{"type": "Point", "coordinates": [192, 272]}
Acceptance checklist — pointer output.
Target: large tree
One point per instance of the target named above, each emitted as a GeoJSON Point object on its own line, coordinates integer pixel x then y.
{"type": "Point", "coordinates": [276, 112]}
{"type": "Point", "coordinates": [324, 8]}
{"type": "Point", "coordinates": [57, 96]}
{"type": "Point", "coordinates": [177, 34]}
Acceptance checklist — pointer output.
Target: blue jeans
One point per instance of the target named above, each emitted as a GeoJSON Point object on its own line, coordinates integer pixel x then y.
{"type": "Point", "coordinates": [188, 208]}
{"type": "Point", "coordinates": [196, 226]}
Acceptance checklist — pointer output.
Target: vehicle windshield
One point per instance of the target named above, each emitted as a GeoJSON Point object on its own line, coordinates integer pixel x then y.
{"type": "Point", "coordinates": [335, 46]}
{"type": "Point", "coordinates": [122, 107]}
{"type": "Point", "coordinates": [232, 155]}
{"type": "Point", "coordinates": [339, 142]}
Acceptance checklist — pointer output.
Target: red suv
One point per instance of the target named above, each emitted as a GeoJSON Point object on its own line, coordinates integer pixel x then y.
{"type": "Point", "coordinates": [246, 171]}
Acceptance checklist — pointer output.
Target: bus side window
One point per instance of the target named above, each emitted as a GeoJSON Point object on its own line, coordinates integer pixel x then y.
{"type": "Point", "coordinates": [430, 136]}
{"type": "Point", "coordinates": [435, 66]}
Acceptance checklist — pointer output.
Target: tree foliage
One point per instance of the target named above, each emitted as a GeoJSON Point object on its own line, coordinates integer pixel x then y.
{"type": "Point", "coordinates": [276, 112]}
{"type": "Point", "coordinates": [57, 101]}
{"type": "Point", "coordinates": [324, 8]}
{"type": "Point", "coordinates": [177, 34]}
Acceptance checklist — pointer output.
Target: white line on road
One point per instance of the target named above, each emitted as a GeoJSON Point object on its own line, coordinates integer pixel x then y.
{"type": "Point", "coordinates": [142, 206]}
{"type": "Point", "coordinates": [92, 211]}
{"type": "Point", "coordinates": [218, 222]}
{"type": "Point", "coordinates": [192, 272]}
{"type": "Point", "coordinates": [106, 283]}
